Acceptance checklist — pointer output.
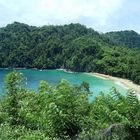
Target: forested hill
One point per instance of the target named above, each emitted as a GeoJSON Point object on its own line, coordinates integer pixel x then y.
{"type": "Point", "coordinates": [72, 46]}
{"type": "Point", "coordinates": [129, 39]}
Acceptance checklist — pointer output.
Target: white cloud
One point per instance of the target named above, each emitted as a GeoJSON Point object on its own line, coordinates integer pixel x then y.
{"type": "Point", "coordinates": [94, 13]}
{"type": "Point", "coordinates": [67, 10]}
{"type": "Point", "coordinates": [40, 11]}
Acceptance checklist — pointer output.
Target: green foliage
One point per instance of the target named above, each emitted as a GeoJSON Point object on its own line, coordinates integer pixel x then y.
{"type": "Point", "coordinates": [20, 133]}
{"type": "Point", "coordinates": [63, 111]}
{"type": "Point", "coordinates": [73, 47]}
{"type": "Point", "coordinates": [13, 87]}
{"type": "Point", "coordinates": [128, 38]}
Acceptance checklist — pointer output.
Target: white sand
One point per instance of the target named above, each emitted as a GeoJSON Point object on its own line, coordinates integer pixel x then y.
{"type": "Point", "coordinates": [122, 82]}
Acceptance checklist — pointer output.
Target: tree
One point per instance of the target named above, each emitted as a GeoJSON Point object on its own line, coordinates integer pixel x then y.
{"type": "Point", "coordinates": [13, 88]}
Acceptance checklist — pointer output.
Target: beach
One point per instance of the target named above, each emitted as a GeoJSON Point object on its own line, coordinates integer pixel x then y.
{"type": "Point", "coordinates": [124, 82]}
{"type": "Point", "coordinates": [128, 84]}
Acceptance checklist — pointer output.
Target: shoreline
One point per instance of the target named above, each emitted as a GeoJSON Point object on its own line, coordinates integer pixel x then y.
{"type": "Point", "coordinates": [66, 70]}
{"type": "Point", "coordinates": [128, 84]}
{"type": "Point", "coordinates": [60, 69]}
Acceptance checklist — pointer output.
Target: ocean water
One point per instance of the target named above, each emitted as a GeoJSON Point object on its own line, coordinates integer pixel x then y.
{"type": "Point", "coordinates": [54, 76]}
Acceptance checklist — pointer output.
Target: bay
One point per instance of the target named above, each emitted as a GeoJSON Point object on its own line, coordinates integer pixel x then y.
{"type": "Point", "coordinates": [34, 76]}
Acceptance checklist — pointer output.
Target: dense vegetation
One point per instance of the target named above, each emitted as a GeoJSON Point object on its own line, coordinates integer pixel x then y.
{"type": "Point", "coordinates": [129, 39]}
{"type": "Point", "coordinates": [63, 111]}
{"type": "Point", "coordinates": [72, 46]}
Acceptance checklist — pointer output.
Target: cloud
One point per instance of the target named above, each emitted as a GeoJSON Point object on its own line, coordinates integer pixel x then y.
{"type": "Point", "coordinates": [70, 10]}
{"type": "Point", "coordinates": [93, 13]}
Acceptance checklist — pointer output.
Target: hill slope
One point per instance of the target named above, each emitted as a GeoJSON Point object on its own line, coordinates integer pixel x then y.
{"type": "Point", "coordinates": [129, 39]}
{"type": "Point", "coordinates": [72, 46]}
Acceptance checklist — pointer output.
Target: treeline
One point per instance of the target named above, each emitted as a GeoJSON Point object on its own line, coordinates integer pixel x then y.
{"type": "Point", "coordinates": [127, 38]}
{"type": "Point", "coordinates": [72, 46]}
{"type": "Point", "coordinates": [63, 111]}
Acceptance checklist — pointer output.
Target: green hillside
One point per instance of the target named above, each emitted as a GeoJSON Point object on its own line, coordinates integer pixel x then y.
{"type": "Point", "coordinates": [129, 39]}
{"type": "Point", "coordinates": [72, 46]}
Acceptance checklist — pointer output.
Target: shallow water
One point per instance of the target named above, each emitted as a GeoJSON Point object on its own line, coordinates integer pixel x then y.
{"type": "Point", "coordinates": [54, 76]}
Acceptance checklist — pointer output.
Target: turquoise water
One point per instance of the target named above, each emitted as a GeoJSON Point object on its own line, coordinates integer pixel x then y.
{"type": "Point", "coordinates": [54, 76]}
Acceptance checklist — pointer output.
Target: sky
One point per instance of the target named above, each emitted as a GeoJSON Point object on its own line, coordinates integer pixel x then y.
{"type": "Point", "coordinates": [101, 15]}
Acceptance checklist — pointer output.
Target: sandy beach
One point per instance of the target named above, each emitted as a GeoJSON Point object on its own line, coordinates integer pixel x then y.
{"type": "Point", "coordinates": [126, 83]}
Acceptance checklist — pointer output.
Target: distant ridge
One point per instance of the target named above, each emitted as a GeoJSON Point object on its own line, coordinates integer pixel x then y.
{"type": "Point", "coordinates": [128, 38]}
{"type": "Point", "coordinates": [74, 47]}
